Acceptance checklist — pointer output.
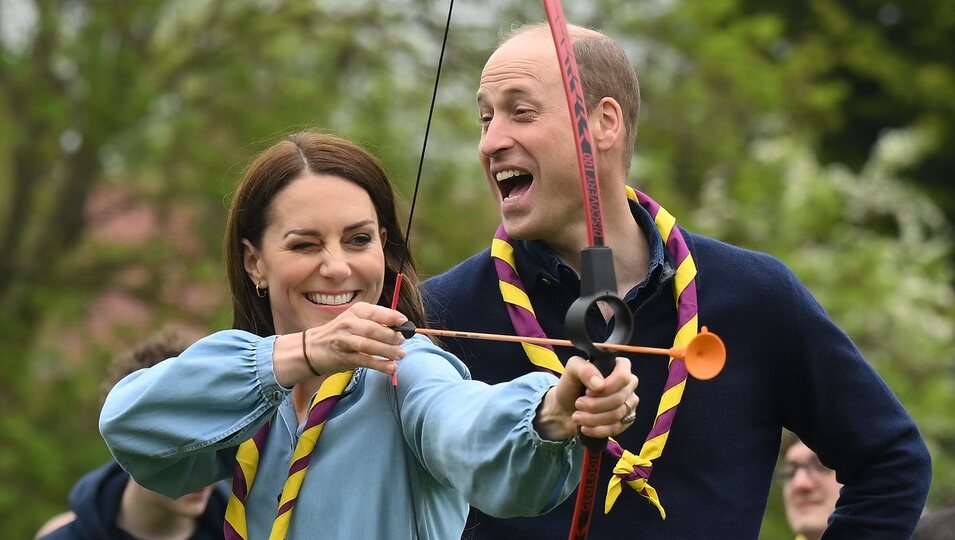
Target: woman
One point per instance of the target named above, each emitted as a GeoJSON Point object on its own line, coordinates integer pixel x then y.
{"type": "Point", "coordinates": [312, 248]}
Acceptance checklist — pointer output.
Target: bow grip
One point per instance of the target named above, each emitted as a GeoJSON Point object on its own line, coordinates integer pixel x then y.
{"type": "Point", "coordinates": [598, 283]}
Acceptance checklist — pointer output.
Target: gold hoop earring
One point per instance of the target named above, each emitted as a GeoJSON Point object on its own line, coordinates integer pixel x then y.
{"type": "Point", "coordinates": [261, 292]}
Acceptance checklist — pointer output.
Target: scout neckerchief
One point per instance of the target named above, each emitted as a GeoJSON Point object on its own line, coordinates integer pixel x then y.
{"type": "Point", "coordinates": [630, 468]}
{"type": "Point", "coordinates": [250, 453]}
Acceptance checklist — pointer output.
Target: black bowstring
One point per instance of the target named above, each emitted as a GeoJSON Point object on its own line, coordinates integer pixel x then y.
{"type": "Point", "coordinates": [407, 250]}
{"type": "Point", "coordinates": [424, 144]}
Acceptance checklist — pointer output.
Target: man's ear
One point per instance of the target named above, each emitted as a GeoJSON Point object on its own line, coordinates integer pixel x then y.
{"type": "Point", "coordinates": [251, 260]}
{"type": "Point", "coordinates": [606, 124]}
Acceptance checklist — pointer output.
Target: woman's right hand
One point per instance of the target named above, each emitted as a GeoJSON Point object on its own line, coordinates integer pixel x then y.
{"type": "Point", "coordinates": [359, 337]}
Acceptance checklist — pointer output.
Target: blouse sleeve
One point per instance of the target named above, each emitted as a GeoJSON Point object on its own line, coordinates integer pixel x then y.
{"type": "Point", "coordinates": [175, 426]}
{"type": "Point", "coordinates": [480, 438]}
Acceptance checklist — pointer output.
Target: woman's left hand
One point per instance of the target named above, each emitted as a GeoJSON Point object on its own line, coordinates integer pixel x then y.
{"type": "Point", "coordinates": [602, 409]}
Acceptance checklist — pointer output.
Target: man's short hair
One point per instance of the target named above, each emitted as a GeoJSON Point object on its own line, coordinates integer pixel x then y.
{"type": "Point", "coordinates": [605, 71]}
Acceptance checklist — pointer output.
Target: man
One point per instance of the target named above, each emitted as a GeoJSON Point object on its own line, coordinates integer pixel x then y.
{"type": "Point", "coordinates": [107, 503]}
{"type": "Point", "coordinates": [787, 365]}
{"type": "Point", "coordinates": [810, 489]}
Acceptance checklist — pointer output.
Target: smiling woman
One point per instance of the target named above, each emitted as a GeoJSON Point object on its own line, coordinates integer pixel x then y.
{"type": "Point", "coordinates": [295, 402]}
{"type": "Point", "coordinates": [320, 254]}
{"type": "Point", "coordinates": [312, 156]}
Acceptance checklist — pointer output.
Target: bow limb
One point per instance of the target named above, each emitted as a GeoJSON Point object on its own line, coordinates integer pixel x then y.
{"type": "Point", "coordinates": [598, 282]}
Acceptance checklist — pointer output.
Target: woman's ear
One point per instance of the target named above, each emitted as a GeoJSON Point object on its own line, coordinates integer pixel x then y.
{"type": "Point", "coordinates": [384, 237]}
{"type": "Point", "coordinates": [607, 127]}
{"type": "Point", "coordinates": [251, 259]}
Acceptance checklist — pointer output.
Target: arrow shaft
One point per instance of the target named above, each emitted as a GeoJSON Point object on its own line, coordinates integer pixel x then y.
{"type": "Point", "coordinates": [548, 341]}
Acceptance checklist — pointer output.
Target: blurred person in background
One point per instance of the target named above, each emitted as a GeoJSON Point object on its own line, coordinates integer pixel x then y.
{"type": "Point", "coordinates": [107, 503]}
{"type": "Point", "coordinates": [810, 489]}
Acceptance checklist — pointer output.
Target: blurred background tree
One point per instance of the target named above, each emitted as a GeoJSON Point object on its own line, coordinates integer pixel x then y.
{"type": "Point", "coordinates": [820, 132]}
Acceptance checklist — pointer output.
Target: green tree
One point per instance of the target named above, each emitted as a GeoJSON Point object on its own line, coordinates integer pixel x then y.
{"type": "Point", "coordinates": [114, 113]}
{"type": "Point", "coordinates": [150, 109]}
{"type": "Point", "coordinates": [876, 253]}
{"type": "Point", "coordinates": [890, 65]}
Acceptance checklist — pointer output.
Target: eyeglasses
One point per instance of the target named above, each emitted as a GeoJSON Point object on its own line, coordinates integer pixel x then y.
{"type": "Point", "coordinates": [814, 470]}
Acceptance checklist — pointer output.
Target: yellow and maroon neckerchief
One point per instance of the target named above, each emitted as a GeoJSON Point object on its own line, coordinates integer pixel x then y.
{"type": "Point", "coordinates": [250, 453]}
{"type": "Point", "coordinates": [634, 469]}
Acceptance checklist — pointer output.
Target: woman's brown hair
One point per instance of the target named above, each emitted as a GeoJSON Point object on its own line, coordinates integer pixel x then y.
{"type": "Point", "coordinates": [274, 169]}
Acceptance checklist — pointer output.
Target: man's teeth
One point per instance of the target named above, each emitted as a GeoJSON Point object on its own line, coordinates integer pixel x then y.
{"type": "Point", "coordinates": [510, 173]}
{"type": "Point", "coordinates": [331, 299]}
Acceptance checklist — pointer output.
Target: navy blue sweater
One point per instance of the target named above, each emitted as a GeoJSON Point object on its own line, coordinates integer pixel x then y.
{"type": "Point", "coordinates": [787, 365]}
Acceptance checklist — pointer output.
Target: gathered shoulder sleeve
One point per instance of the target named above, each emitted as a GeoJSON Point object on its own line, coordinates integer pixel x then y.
{"type": "Point", "coordinates": [175, 426]}
{"type": "Point", "coordinates": [480, 438]}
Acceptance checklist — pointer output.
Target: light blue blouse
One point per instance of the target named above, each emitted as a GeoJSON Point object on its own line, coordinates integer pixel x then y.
{"type": "Point", "coordinates": [176, 427]}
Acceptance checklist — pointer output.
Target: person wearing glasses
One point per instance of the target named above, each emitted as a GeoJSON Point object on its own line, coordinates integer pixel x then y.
{"type": "Point", "coordinates": [810, 489]}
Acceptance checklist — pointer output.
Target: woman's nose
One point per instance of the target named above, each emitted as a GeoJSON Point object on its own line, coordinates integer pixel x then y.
{"type": "Point", "coordinates": [334, 266]}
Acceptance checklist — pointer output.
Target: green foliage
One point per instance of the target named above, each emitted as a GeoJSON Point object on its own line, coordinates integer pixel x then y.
{"type": "Point", "coordinates": [877, 255]}
{"type": "Point", "coordinates": [124, 126]}
{"type": "Point", "coordinates": [891, 66]}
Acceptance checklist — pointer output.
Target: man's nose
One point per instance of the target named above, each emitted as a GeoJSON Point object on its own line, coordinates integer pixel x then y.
{"type": "Point", "coordinates": [495, 138]}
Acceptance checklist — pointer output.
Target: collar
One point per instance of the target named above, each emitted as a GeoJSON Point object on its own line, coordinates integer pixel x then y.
{"type": "Point", "coordinates": [541, 265]}
{"type": "Point", "coordinates": [286, 410]}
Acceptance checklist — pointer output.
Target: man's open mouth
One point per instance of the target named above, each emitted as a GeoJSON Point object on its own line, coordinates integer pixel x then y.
{"type": "Point", "coordinates": [513, 183]}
